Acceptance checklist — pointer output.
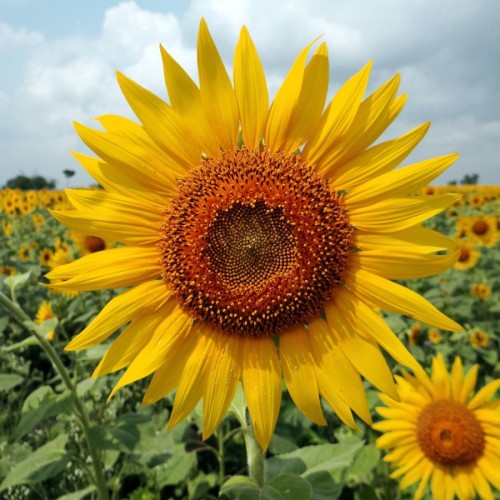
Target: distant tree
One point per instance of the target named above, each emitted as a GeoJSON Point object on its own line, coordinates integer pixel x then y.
{"type": "Point", "coordinates": [470, 179]}
{"type": "Point", "coordinates": [26, 183]}
{"type": "Point", "coordinates": [68, 173]}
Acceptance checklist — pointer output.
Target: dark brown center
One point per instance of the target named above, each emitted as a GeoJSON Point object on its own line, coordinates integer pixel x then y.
{"type": "Point", "coordinates": [449, 434]}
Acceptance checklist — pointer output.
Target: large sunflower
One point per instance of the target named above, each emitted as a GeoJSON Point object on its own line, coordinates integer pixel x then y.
{"type": "Point", "coordinates": [439, 432]}
{"type": "Point", "coordinates": [259, 241]}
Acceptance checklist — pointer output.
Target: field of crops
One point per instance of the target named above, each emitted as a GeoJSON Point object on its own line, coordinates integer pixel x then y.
{"type": "Point", "coordinates": [46, 453]}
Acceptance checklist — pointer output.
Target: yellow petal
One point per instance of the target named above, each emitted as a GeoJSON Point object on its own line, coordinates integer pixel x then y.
{"type": "Point", "coordinates": [143, 299]}
{"type": "Point", "coordinates": [393, 297]}
{"type": "Point", "coordinates": [192, 382]}
{"type": "Point", "coordinates": [398, 183]}
{"type": "Point", "coordinates": [132, 161]}
{"type": "Point", "coordinates": [484, 395]}
{"type": "Point", "coordinates": [373, 117]}
{"type": "Point", "coordinates": [396, 214]}
{"type": "Point", "coordinates": [360, 318]}
{"type": "Point", "coordinates": [457, 378]}
{"type": "Point", "coordinates": [114, 180]}
{"type": "Point", "coordinates": [261, 379]}
{"type": "Point", "coordinates": [217, 94]}
{"type": "Point", "coordinates": [161, 122]}
{"type": "Point", "coordinates": [166, 378]}
{"type": "Point", "coordinates": [338, 118]}
{"type": "Point", "coordinates": [114, 268]}
{"type": "Point", "coordinates": [482, 487]}
{"type": "Point", "coordinates": [176, 324]}
{"type": "Point", "coordinates": [185, 98]}
{"type": "Point", "coordinates": [364, 354]}
{"type": "Point", "coordinates": [377, 160]}
{"type": "Point", "coordinates": [135, 133]}
{"type": "Point", "coordinates": [221, 380]}
{"type": "Point", "coordinates": [106, 224]}
{"type": "Point", "coordinates": [336, 375]}
{"type": "Point", "coordinates": [128, 344]}
{"type": "Point", "coordinates": [416, 238]}
{"type": "Point", "coordinates": [298, 367]}
{"type": "Point", "coordinates": [306, 116]}
{"type": "Point", "coordinates": [285, 102]}
{"type": "Point", "coordinates": [251, 90]}
{"type": "Point", "coordinates": [402, 264]}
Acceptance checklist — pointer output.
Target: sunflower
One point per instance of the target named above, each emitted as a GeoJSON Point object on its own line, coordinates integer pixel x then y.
{"type": "Point", "coordinates": [481, 291]}
{"type": "Point", "coordinates": [45, 257]}
{"type": "Point", "coordinates": [259, 241]}
{"type": "Point", "coordinates": [481, 228]}
{"type": "Point", "coordinates": [45, 313]}
{"type": "Point", "coordinates": [479, 339]}
{"type": "Point", "coordinates": [23, 252]}
{"type": "Point", "coordinates": [434, 336]}
{"type": "Point", "coordinates": [468, 256]}
{"type": "Point", "coordinates": [439, 432]}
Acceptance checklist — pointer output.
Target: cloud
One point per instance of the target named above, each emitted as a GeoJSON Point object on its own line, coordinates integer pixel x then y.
{"type": "Point", "coordinates": [445, 51]}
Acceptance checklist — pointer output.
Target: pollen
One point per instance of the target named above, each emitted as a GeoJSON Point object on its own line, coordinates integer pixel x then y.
{"type": "Point", "coordinates": [255, 242]}
{"type": "Point", "coordinates": [449, 434]}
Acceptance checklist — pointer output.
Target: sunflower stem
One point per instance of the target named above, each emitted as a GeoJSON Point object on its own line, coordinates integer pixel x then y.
{"type": "Point", "coordinates": [255, 456]}
{"type": "Point", "coordinates": [79, 407]}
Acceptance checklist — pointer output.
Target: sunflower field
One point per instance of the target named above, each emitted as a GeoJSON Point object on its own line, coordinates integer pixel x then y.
{"type": "Point", "coordinates": [58, 433]}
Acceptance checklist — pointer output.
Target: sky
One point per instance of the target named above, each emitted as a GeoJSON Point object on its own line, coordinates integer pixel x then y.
{"type": "Point", "coordinates": [58, 60]}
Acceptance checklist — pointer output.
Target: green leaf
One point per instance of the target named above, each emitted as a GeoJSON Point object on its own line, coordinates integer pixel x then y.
{"type": "Point", "coordinates": [46, 462]}
{"type": "Point", "coordinates": [41, 404]}
{"type": "Point", "coordinates": [361, 471]}
{"type": "Point", "coordinates": [323, 466]}
{"type": "Point", "coordinates": [200, 484]}
{"type": "Point", "coordinates": [77, 495]}
{"type": "Point", "coordinates": [240, 488]}
{"type": "Point", "coordinates": [9, 380]}
{"type": "Point", "coordinates": [291, 487]}
{"type": "Point", "coordinates": [17, 280]}
{"type": "Point", "coordinates": [29, 341]}
{"type": "Point", "coordinates": [178, 468]}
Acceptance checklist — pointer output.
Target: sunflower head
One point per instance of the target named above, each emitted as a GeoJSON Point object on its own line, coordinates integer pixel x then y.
{"type": "Point", "coordinates": [439, 432]}
{"type": "Point", "coordinates": [257, 242]}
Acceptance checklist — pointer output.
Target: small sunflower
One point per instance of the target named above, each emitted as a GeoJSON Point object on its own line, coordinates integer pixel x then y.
{"type": "Point", "coordinates": [45, 313]}
{"type": "Point", "coordinates": [479, 339]}
{"type": "Point", "coordinates": [46, 256]}
{"type": "Point", "coordinates": [24, 252]}
{"type": "Point", "coordinates": [468, 256]}
{"type": "Point", "coordinates": [260, 241]}
{"type": "Point", "coordinates": [481, 291]}
{"type": "Point", "coordinates": [439, 432]}
{"type": "Point", "coordinates": [482, 229]}
{"type": "Point", "coordinates": [414, 333]}
{"type": "Point", "coordinates": [434, 336]}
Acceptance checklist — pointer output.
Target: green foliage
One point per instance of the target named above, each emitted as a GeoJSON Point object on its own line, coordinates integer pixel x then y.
{"type": "Point", "coordinates": [25, 183]}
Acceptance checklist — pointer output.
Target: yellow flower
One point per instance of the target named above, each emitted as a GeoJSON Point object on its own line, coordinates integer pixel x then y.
{"type": "Point", "coordinates": [45, 313]}
{"type": "Point", "coordinates": [481, 290]}
{"type": "Point", "coordinates": [468, 257]}
{"type": "Point", "coordinates": [24, 252]}
{"type": "Point", "coordinates": [439, 432]}
{"type": "Point", "coordinates": [260, 241]}
{"type": "Point", "coordinates": [46, 256]}
{"type": "Point", "coordinates": [479, 339]}
{"type": "Point", "coordinates": [434, 336]}
{"type": "Point", "coordinates": [482, 229]}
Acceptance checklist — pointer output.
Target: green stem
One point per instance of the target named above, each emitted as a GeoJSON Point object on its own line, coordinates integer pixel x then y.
{"type": "Point", "coordinates": [255, 457]}
{"type": "Point", "coordinates": [81, 412]}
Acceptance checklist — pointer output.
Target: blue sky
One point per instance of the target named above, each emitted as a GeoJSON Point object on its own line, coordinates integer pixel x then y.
{"type": "Point", "coordinates": [58, 60]}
